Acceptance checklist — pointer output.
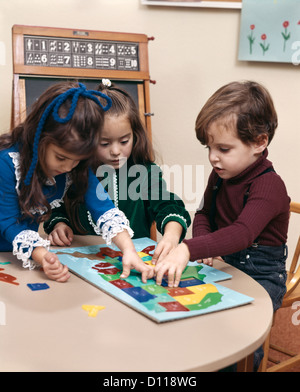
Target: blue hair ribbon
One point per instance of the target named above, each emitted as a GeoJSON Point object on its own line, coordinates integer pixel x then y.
{"type": "Point", "coordinates": [53, 107]}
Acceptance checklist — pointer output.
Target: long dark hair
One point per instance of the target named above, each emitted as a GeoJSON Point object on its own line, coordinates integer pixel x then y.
{"type": "Point", "coordinates": [80, 135]}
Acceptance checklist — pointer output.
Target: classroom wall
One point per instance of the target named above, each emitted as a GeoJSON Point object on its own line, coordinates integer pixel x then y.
{"type": "Point", "coordinates": [194, 52]}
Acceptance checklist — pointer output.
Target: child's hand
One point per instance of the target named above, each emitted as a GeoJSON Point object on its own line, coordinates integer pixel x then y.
{"type": "Point", "coordinates": [131, 260]}
{"type": "Point", "coordinates": [169, 241]}
{"type": "Point", "coordinates": [53, 267]}
{"type": "Point", "coordinates": [173, 265]}
{"type": "Point", "coordinates": [61, 235]}
{"type": "Point", "coordinates": [210, 260]}
{"type": "Point", "coordinates": [163, 248]}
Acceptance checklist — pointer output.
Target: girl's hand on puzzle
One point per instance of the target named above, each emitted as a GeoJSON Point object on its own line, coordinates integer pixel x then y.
{"type": "Point", "coordinates": [53, 268]}
{"type": "Point", "coordinates": [131, 260]}
{"type": "Point", "coordinates": [61, 235]}
{"type": "Point", "coordinates": [173, 265]}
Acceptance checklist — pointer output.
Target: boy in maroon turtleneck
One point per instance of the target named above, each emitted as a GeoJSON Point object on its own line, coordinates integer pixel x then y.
{"type": "Point", "coordinates": [244, 218]}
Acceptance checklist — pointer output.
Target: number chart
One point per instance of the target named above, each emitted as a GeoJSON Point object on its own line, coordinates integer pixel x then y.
{"type": "Point", "coordinates": [73, 53]}
{"type": "Point", "coordinates": [46, 55]}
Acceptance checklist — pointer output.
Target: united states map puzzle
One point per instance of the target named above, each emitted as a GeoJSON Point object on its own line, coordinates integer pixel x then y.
{"type": "Point", "coordinates": [197, 294]}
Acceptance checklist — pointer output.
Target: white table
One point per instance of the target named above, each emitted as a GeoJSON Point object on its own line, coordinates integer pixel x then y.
{"type": "Point", "coordinates": [49, 331]}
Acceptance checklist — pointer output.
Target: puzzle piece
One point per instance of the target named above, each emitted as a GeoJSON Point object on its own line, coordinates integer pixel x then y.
{"type": "Point", "coordinates": [192, 272]}
{"type": "Point", "coordinates": [154, 306]}
{"type": "Point", "coordinates": [92, 309]}
{"type": "Point", "coordinates": [155, 289]}
{"type": "Point", "coordinates": [109, 252]}
{"type": "Point", "coordinates": [121, 284]}
{"type": "Point", "coordinates": [176, 291]}
{"type": "Point", "coordinates": [184, 283]}
{"type": "Point", "coordinates": [139, 294]}
{"type": "Point", "coordinates": [102, 265]}
{"type": "Point", "coordinates": [108, 271]}
{"type": "Point", "coordinates": [198, 293]}
{"type": "Point", "coordinates": [209, 300]}
{"type": "Point", "coordinates": [142, 254]}
{"type": "Point", "coordinates": [7, 278]}
{"type": "Point", "coordinates": [38, 286]}
{"type": "Point", "coordinates": [173, 307]}
{"type": "Point", "coordinates": [149, 249]}
{"type": "Point", "coordinates": [110, 278]}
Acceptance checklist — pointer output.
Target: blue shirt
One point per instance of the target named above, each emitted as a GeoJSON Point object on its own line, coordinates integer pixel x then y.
{"type": "Point", "coordinates": [20, 235]}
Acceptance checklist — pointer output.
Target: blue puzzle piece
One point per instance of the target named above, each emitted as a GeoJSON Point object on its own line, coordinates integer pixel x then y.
{"type": "Point", "coordinates": [38, 286]}
{"type": "Point", "coordinates": [139, 294]}
{"type": "Point", "coordinates": [184, 283]}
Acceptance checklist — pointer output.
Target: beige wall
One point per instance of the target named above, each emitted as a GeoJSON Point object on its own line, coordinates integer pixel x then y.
{"type": "Point", "coordinates": [194, 53]}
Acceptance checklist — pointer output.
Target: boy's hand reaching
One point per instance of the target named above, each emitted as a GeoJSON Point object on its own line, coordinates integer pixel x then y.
{"type": "Point", "coordinates": [61, 235]}
{"type": "Point", "coordinates": [169, 241]}
{"type": "Point", "coordinates": [173, 265]}
{"type": "Point", "coordinates": [210, 260]}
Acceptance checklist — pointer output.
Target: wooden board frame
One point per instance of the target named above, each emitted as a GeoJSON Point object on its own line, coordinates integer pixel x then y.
{"type": "Point", "coordinates": [21, 70]}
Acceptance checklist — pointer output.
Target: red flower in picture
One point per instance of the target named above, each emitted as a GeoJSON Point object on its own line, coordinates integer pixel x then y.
{"type": "Point", "coordinates": [264, 45]}
{"type": "Point", "coordinates": [285, 35]}
{"type": "Point", "coordinates": [251, 38]}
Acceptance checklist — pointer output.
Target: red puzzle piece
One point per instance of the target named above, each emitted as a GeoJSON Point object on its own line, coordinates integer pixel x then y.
{"type": "Point", "coordinates": [99, 266]}
{"type": "Point", "coordinates": [174, 307]}
{"type": "Point", "coordinates": [7, 278]}
{"type": "Point", "coordinates": [108, 252]}
{"type": "Point", "coordinates": [122, 284]}
{"type": "Point", "coordinates": [108, 271]}
{"type": "Point", "coordinates": [149, 249]}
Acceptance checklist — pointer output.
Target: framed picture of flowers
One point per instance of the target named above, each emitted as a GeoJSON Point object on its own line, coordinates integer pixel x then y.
{"type": "Point", "coordinates": [270, 31]}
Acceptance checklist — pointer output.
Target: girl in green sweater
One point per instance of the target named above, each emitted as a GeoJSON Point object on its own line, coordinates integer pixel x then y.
{"type": "Point", "coordinates": [125, 167]}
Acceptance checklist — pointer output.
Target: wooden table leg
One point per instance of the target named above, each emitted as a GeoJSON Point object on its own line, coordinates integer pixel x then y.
{"type": "Point", "coordinates": [246, 364]}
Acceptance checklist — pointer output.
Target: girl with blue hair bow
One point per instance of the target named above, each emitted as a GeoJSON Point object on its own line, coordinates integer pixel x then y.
{"type": "Point", "coordinates": [44, 157]}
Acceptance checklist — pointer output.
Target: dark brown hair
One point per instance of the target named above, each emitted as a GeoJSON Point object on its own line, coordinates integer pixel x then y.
{"type": "Point", "coordinates": [246, 105]}
{"type": "Point", "coordinates": [122, 103]}
{"type": "Point", "coordinates": [79, 136]}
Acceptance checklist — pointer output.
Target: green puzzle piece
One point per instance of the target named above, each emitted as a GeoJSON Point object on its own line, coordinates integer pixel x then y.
{"type": "Point", "coordinates": [209, 300]}
{"type": "Point", "coordinates": [110, 278]}
{"type": "Point", "coordinates": [193, 272]}
{"type": "Point", "coordinates": [155, 289]}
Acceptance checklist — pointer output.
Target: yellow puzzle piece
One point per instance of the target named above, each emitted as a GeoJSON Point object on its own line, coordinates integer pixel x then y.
{"type": "Point", "coordinates": [92, 309]}
{"type": "Point", "coordinates": [199, 293]}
